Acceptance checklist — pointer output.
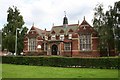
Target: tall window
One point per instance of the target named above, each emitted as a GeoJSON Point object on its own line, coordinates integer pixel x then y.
{"type": "Point", "coordinates": [67, 46]}
{"type": "Point", "coordinates": [85, 42]}
{"type": "Point", "coordinates": [32, 44]}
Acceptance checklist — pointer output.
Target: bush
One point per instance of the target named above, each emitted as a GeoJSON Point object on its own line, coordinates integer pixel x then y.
{"type": "Point", "coordinates": [109, 63]}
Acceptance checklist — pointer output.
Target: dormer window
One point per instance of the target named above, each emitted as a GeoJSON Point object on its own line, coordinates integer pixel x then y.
{"type": "Point", "coordinates": [46, 37]}
{"type": "Point", "coordinates": [84, 27]}
{"type": "Point", "coordinates": [62, 37]}
{"type": "Point", "coordinates": [70, 36]}
{"type": "Point", "coordinates": [53, 37]}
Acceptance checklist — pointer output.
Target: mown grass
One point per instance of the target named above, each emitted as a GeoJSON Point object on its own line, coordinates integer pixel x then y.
{"type": "Point", "coordinates": [25, 71]}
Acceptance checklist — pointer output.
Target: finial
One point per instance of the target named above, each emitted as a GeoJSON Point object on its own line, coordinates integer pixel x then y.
{"type": "Point", "coordinates": [78, 22]}
{"type": "Point", "coordinates": [33, 24]}
{"type": "Point", "coordinates": [65, 13]}
{"type": "Point", "coordinates": [45, 29]}
{"type": "Point", "coordinates": [84, 17]}
{"type": "Point", "coordinates": [53, 24]}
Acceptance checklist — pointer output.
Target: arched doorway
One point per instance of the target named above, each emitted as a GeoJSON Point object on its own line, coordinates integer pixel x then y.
{"type": "Point", "coordinates": [54, 49]}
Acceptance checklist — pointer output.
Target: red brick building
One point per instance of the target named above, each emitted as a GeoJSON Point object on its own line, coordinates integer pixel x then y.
{"type": "Point", "coordinates": [76, 40]}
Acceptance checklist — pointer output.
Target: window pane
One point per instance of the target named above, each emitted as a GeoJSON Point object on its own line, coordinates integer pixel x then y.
{"type": "Point", "coordinates": [67, 46]}
{"type": "Point", "coordinates": [61, 37]}
{"type": "Point", "coordinates": [53, 37]}
{"type": "Point", "coordinates": [85, 42]}
{"type": "Point", "coordinates": [32, 44]}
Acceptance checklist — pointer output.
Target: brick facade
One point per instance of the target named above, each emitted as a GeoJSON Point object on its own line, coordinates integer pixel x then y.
{"type": "Point", "coordinates": [66, 40]}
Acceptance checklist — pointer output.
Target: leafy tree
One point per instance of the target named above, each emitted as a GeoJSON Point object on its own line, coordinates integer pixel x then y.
{"type": "Point", "coordinates": [107, 25]}
{"type": "Point", "coordinates": [116, 28]}
{"type": "Point", "coordinates": [14, 21]}
{"type": "Point", "coordinates": [99, 25]}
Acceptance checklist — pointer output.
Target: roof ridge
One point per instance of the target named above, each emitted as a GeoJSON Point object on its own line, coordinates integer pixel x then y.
{"type": "Point", "coordinates": [84, 22]}
{"type": "Point", "coordinates": [38, 28]}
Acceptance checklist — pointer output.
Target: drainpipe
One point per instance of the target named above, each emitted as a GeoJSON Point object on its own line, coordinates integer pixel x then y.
{"type": "Point", "coordinates": [71, 49]}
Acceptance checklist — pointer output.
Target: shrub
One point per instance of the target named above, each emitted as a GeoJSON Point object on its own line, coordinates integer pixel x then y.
{"type": "Point", "coordinates": [109, 63]}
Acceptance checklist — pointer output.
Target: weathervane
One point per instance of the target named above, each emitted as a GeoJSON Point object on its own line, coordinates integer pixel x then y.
{"type": "Point", "coordinates": [65, 13]}
{"type": "Point", "coordinates": [33, 24]}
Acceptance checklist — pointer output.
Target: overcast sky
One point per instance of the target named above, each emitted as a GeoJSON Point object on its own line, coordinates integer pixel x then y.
{"type": "Point", "coordinates": [43, 13]}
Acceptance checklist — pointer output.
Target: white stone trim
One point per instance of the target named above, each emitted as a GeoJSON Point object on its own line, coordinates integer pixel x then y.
{"type": "Point", "coordinates": [28, 44]}
{"type": "Point", "coordinates": [94, 37]}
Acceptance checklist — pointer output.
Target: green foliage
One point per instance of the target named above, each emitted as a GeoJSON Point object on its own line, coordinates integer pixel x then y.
{"type": "Point", "coordinates": [116, 11]}
{"type": "Point", "coordinates": [63, 61]}
{"type": "Point", "coordinates": [106, 24]}
{"type": "Point", "coordinates": [14, 21]}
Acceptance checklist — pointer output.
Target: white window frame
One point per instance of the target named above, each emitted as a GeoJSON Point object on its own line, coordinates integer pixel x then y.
{"type": "Point", "coordinates": [67, 46]}
{"type": "Point", "coordinates": [70, 36]}
{"type": "Point", "coordinates": [85, 42]}
{"type": "Point", "coordinates": [46, 37]}
{"type": "Point", "coordinates": [62, 37]}
{"type": "Point", "coordinates": [32, 44]}
{"type": "Point", "coordinates": [53, 37]}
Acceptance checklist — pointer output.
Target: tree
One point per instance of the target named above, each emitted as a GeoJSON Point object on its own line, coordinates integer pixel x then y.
{"type": "Point", "coordinates": [100, 27]}
{"type": "Point", "coordinates": [116, 28]}
{"type": "Point", "coordinates": [107, 25]}
{"type": "Point", "coordinates": [14, 21]}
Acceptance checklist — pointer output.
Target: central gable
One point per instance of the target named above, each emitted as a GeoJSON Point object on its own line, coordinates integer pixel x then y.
{"type": "Point", "coordinates": [85, 28]}
{"type": "Point", "coordinates": [34, 32]}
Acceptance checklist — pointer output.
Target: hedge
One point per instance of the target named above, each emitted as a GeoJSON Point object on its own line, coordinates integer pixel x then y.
{"type": "Point", "coordinates": [108, 63]}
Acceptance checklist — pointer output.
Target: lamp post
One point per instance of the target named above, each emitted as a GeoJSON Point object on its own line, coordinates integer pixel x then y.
{"type": "Point", "coordinates": [0, 40]}
{"type": "Point", "coordinates": [16, 42]}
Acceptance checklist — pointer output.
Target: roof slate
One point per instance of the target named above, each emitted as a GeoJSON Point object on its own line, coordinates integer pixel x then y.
{"type": "Point", "coordinates": [58, 29]}
{"type": "Point", "coordinates": [84, 27]}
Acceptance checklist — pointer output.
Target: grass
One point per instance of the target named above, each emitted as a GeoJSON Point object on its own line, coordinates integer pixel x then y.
{"type": "Point", "coordinates": [25, 71]}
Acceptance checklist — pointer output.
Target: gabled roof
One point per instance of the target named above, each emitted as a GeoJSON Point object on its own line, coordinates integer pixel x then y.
{"type": "Point", "coordinates": [37, 30]}
{"type": "Point", "coordinates": [84, 22]}
{"type": "Point", "coordinates": [85, 27]}
{"type": "Point", "coordinates": [62, 30]}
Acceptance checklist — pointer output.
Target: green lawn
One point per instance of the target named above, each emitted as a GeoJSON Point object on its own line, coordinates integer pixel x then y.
{"type": "Point", "coordinates": [24, 71]}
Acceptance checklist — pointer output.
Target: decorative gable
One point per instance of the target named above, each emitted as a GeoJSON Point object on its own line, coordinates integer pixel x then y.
{"type": "Point", "coordinates": [61, 31]}
{"type": "Point", "coordinates": [53, 32]}
{"type": "Point", "coordinates": [32, 32]}
{"type": "Point", "coordinates": [70, 30]}
{"type": "Point", "coordinates": [85, 28]}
